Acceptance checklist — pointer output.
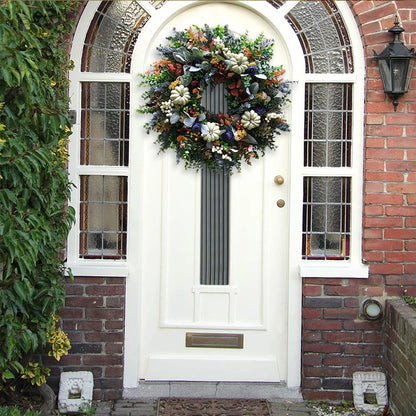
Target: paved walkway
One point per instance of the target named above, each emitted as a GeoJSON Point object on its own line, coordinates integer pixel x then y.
{"type": "Point", "coordinates": [149, 408]}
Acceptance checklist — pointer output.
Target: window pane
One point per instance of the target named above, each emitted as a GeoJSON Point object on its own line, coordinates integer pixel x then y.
{"type": "Point", "coordinates": [112, 35]}
{"type": "Point", "coordinates": [326, 218]}
{"type": "Point", "coordinates": [328, 110]}
{"type": "Point", "coordinates": [105, 123]}
{"type": "Point", "coordinates": [323, 37]}
{"type": "Point", "coordinates": [103, 217]}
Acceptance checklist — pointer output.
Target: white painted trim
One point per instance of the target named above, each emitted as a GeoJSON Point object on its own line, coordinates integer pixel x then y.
{"type": "Point", "coordinates": [297, 268]}
{"type": "Point", "coordinates": [358, 140]}
{"type": "Point", "coordinates": [295, 196]}
{"type": "Point", "coordinates": [98, 268]}
{"type": "Point", "coordinates": [330, 78]}
{"type": "Point", "coordinates": [102, 170]}
{"type": "Point", "coordinates": [337, 269]}
{"type": "Point", "coordinates": [104, 76]}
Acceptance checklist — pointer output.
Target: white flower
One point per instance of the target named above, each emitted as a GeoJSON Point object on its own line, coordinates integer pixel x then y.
{"type": "Point", "coordinates": [227, 53]}
{"type": "Point", "coordinates": [272, 116]}
{"type": "Point", "coordinates": [250, 120]}
{"type": "Point", "coordinates": [213, 132]}
{"type": "Point", "coordinates": [239, 63]}
{"type": "Point", "coordinates": [218, 43]}
{"type": "Point", "coordinates": [220, 48]}
{"type": "Point", "coordinates": [166, 107]}
{"type": "Point", "coordinates": [221, 151]}
{"type": "Point", "coordinates": [216, 149]}
{"type": "Point", "coordinates": [180, 95]}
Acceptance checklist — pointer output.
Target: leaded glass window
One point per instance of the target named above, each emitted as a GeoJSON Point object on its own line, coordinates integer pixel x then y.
{"type": "Point", "coordinates": [326, 218]}
{"type": "Point", "coordinates": [328, 116]}
{"type": "Point", "coordinates": [112, 35]}
{"type": "Point", "coordinates": [103, 217]}
{"type": "Point", "coordinates": [105, 123]}
{"type": "Point", "coordinates": [327, 144]}
{"type": "Point", "coordinates": [323, 37]}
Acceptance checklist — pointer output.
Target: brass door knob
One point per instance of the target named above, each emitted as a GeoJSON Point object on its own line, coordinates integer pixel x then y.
{"type": "Point", "coordinates": [279, 180]}
{"type": "Point", "coordinates": [280, 203]}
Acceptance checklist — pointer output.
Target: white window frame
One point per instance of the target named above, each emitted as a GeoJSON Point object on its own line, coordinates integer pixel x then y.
{"type": "Point", "coordinates": [79, 266]}
{"type": "Point", "coordinates": [354, 267]}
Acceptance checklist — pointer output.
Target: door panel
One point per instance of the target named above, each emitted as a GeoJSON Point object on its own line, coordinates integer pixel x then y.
{"type": "Point", "coordinates": [174, 302]}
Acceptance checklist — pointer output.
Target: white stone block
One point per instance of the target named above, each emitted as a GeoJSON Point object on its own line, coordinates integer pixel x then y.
{"type": "Point", "coordinates": [75, 391]}
{"type": "Point", "coordinates": [369, 391]}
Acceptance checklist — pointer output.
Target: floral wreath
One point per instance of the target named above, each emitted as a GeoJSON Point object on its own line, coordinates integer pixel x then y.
{"type": "Point", "coordinates": [195, 59]}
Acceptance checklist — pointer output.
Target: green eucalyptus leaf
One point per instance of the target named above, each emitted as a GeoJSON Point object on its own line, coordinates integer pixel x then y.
{"type": "Point", "coordinates": [186, 79]}
{"type": "Point", "coordinates": [189, 121]}
{"type": "Point", "coordinates": [179, 58]}
{"type": "Point", "coordinates": [254, 88]}
{"type": "Point", "coordinates": [250, 139]}
{"type": "Point", "coordinates": [174, 118]}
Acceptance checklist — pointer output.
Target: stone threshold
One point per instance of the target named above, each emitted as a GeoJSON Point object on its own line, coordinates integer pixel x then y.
{"type": "Point", "coordinates": [225, 390]}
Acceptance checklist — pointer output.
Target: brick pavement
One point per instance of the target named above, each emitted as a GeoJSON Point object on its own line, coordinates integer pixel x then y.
{"type": "Point", "coordinates": [149, 408]}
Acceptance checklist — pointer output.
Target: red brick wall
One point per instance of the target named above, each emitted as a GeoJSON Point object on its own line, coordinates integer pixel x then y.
{"type": "Point", "coordinates": [400, 357]}
{"type": "Point", "coordinates": [336, 342]}
{"type": "Point", "coordinates": [93, 318]}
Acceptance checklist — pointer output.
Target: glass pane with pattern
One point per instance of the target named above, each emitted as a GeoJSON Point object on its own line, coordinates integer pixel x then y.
{"type": "Point", "coordinates": [326, 218]}
{"type": "Point", "coordinates": [103, 217]}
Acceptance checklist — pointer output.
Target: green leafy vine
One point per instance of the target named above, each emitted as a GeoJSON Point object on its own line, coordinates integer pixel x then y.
{"type": "Point", "coordinates": [34, 185]}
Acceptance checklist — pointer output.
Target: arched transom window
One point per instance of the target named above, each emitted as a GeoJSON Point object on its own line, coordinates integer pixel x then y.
{"type": "Point", "coordinates": [330, 176]}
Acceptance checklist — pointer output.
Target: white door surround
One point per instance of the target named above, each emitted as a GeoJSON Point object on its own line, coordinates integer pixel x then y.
{"type": "Point", "coordinates": [157, 365]}
{"type": "Point", "coordinates": [159, 24]}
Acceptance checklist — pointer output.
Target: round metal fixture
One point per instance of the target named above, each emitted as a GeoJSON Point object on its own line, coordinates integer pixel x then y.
{"type": "Point", "coordinates": [279, 180]}
{"type": "Point", "coordinates": [372, 310]}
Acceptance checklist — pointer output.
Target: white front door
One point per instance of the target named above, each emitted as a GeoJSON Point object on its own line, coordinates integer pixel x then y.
{"type": "Point", "coordinates": [236, 331]}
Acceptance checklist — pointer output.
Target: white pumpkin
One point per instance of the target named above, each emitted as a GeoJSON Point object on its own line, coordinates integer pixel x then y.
{"type": "Point", "coordinates": [250, 120]}
{"type": "Point", "coordinates": [239, 63]}
{"type": "Point", "coordinates": [213, 132]}
{"type": "Point", "coordinates": [180, 95]}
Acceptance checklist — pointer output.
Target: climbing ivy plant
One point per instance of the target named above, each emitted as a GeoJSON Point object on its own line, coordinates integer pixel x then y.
{"type": "Point", "coordinates": [34, 186]}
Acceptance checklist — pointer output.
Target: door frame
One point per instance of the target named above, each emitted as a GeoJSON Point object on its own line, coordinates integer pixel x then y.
{"type": "Point", "coordinates": [274, 17]}
{"type": "Point", "coordinates": [131, 268]}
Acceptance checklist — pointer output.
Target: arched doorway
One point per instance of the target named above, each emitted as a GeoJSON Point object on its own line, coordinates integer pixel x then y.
{"type": "Point", "coordinates": [264, 292]}
{"type": "Point", "coordinates": [197, 330]}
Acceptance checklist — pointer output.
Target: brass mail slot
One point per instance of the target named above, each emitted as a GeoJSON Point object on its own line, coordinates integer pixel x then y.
{"type": "Point", "coordinates": [210, 340]}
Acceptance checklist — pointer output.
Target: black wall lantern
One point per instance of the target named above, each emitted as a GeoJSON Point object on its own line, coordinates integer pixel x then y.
{"type": "Point", "coordinates": [396, 65]}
